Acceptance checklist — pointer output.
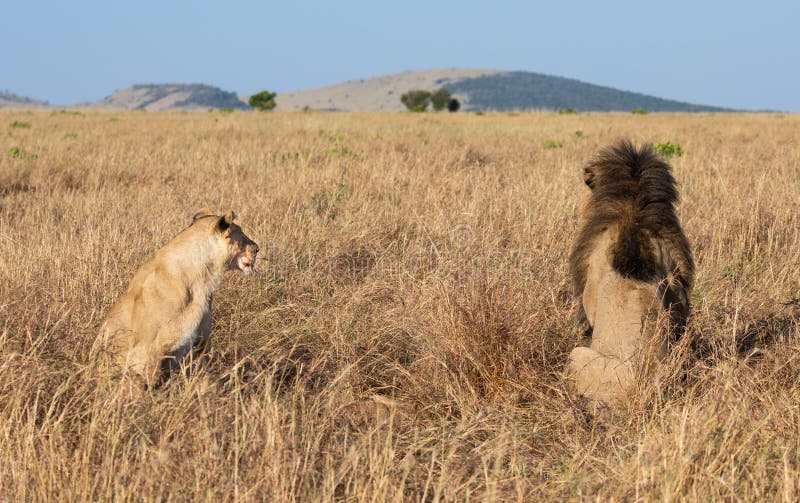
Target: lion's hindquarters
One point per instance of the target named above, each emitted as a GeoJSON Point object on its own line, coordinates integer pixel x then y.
{"type": "Point", "coordinates": [606, 370]}
{"type": "Point", "coordinates": [599, 377]}
{"type": "Point", "coordinates": [618, 309]}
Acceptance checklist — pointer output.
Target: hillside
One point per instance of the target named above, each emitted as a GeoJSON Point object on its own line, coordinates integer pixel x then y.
{"type": "Point", "coordinates": [476, 89]}
{"type": "Point", "coordinates": [480, 90]}
{"type": "Point", "coordinates": [170, 97]}
{"type": "Point", "coordinates": [527, 90]}
{"type": "Point", "coordinates": [376, 93]}
{"type": "Point", "coordinates": [10, 100]}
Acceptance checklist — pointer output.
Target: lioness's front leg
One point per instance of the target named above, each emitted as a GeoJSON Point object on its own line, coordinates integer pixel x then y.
{"type": "Point", "coordinates": [204, 330]}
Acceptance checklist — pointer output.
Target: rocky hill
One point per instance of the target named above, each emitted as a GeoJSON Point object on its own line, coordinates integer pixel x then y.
{"type": "Point", "coordinates": [481, 90]}
{"type": "Point", "coordinates": [171, 97]}
{"type": "Point", "coordinates": [10, 100]}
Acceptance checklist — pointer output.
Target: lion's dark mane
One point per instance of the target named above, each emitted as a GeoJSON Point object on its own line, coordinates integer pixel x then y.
{"type": "Point", "coordinates": [633, 189]}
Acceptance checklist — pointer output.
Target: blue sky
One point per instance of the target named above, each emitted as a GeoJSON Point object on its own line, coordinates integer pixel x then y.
{"type": "Point", "coordinates": [733, 54]}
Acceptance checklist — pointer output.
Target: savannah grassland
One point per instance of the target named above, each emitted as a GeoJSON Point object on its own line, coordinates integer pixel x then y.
{"type": "Point", "coordinates": [405, 338]}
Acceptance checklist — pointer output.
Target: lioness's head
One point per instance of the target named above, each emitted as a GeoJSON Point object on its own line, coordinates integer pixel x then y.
{"type": "Point", "coordinates": [242, 250]}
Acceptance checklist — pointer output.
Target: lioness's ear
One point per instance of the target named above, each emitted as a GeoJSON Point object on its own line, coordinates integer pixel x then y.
{"type": "Point", "coordinates": [588, 177]}
{"type": "Point", "coordinates": [202, 213]}
{"type": "Point", "coordinates": [226, 220]}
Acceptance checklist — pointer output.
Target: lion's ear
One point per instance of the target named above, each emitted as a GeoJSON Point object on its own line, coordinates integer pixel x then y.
{"type": "Point", "coordinates": [226, 221]}
{"type": "Point", "coordinates": [588, 177]}
{"type": "Point", "coordinates": [202, 213]}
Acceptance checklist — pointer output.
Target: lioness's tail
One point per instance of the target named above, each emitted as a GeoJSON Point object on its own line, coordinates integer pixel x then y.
{"type": "Point", "coordinates": [638, 188]}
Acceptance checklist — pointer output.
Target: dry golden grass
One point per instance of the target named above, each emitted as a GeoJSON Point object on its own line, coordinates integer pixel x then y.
{"type": "Point", "coordinates": [405, 339]}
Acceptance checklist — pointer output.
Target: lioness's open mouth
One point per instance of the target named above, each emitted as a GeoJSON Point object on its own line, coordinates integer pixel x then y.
{"type": "Point", "coordinates": [246, 264]}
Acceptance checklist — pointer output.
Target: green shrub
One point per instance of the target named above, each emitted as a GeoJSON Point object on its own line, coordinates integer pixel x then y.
{"type": "Point", "coordinates": [578, 134]}
{"type": "Point", "coordinates": [416, 100]}
{"type": "Point", "coordinates": [18, 153]}
{"type": "Point", "coordinates": [669, 149]}
{"type": "Point", "coordinates": [20, 125]}
{"type": "Point", "coordinates": [440, 99]}
{"type": "Point", "coordinates": [639, 111]}
{"type": "Point", "coordinates": [553, 144]}
{"type": "Point", "coordinates": [340, 150]}
{"type": "Point", "coordinates": [568, 111]}
{"type": "Point", "coordinates": [263, 100]}
{"type": "Point", "coordinates": [70, 136]}
{"type": "Point", "coordinates": [453, 105]}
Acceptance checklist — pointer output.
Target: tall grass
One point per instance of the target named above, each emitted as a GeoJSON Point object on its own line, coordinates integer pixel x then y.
{"type": "Point", "coordinates": [406, 336]}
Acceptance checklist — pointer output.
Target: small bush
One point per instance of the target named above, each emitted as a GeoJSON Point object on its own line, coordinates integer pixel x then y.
{"type": "Point", "coordinates": [639, 111]}
{"type": "Point", "coordinates": [567, 111]}
{"type": "Point", "coordinates": [263, 100]}
{"type": "Point", "coordinates": [18, 153]}
{"type": "Point", "coordinates": [68, 136]}
{"type": "Point", "coordinates": [440, 99]}
{"type": "Point", "coordinates": [20, 125]}
{"type": "Point", "coordinates": [64, 111]}
{"type": "Point", "coordinates": [669, 149]}
{"type": "Point", "coordinates": [226, 110]}
{"type": "Point", "coordinates": [553, 144]}
{"type": "Point", "coordinates": [416, 100]}
{"type": "Point", "coordinates": [578, 134]}
{"type": "Point", "coordinates": [340, 150]}
{"type": "Point", "coordinates": [453, 105]}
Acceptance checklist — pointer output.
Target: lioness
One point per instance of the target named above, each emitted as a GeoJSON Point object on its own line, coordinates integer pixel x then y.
{"type": "Point", "coordinates": [167, 307]}
{"type": "Point", "coordinates": [631, 268]}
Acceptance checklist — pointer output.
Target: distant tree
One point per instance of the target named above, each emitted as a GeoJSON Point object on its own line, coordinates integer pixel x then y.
{"type": "Point", "coordinates": [263, 100]}
{"type": "Point", "coordinates": [440, 98]}
{"type": "Point", "coordinates": [416, 100]}
{"type": "Point", "coordinates": [453, 105]}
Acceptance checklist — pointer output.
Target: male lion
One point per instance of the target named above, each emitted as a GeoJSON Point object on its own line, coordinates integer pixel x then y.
{"type": "Point", "coordinates": [630, 266]}
{"type": "Point", "coordinates": [167, 307]}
